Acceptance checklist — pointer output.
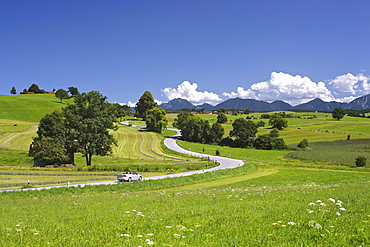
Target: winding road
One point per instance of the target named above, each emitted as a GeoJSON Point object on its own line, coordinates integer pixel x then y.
{"type": "Point", "coordinates": [170, 142]}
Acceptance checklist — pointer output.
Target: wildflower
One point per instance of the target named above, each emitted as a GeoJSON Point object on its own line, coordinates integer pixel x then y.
{"type": "Point", "coordinates": [331, 199]}
{"type": "Point", "coordinates": [17, 225]}
{"type": "Point", "coordinates": [339, 204]}
{"type": "Point", "coordinates": [127, 212]}
{"type": "Point", "coordinates": [310, 212]}
{"type": "Point", "coordinates": [311, 204]}
{"type": "Point", "coordinates": [274, 223]}
{"type": "Point", "coordinates": [291, 223]}
{"type": "Point", "coordinates": [339, 201]}
{"type": "Point", "coordinates": [343, 209]}
{"type": "Point", "coordinates": [150, 234]}
{"type": "Point", "coordinates": [318, 201]}
{"type": "Point", "coordinates": [279, 221]}
{"type": "Point", "coordinates": [338, 214]}
{"type": "Point", "coordinates": [331, 226]}
{"type": "Point", "coordinates": [139, 236]}
{"type": "Point", "coordinates": [168, 226]}
{"type": "Point", "coordinates": [283, 225]}
{"type": "Point", "coordinates": [318, 226]}
{"type": "Point", "coordinates": [150, 242]}
{"type": "Point", "coordinates": [125, 235]}
{"type": "Point", "coordinates": [322, 204]}
{"type": "Point", "coordinates": [35, 233]}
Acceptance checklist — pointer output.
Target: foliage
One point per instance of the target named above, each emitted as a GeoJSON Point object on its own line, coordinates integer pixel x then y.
{"type": "Point", "coordinates": [244, 131]}
{"type": "Point", "coordinates": [34, 88]}
{"type": "Point", "coordinates": [221, 118]}
{"type": "Point", "coordinates": [73, 91]}
{"type": "Point", "coordinates": [88, 122]}
{"type": "Point", "coordinates": [303, 143]}
{"type": "Point", "coordinates": [61, 94]}
{"type": "Point", "coordinates": [269, 142]}
{"type": "Point", "coordinates": [195, 129]}
{"type": "Point", "coordinates": [156, 119]}
{"type": "Point", "coordinates": [119, 111]}
{"type": "Point", "coordinates": [48, 151]}
{"type": "Point", "coordinates": [13, 91]}
{"type": "Point", "coordinates": [277, 121]}
{"type": "Point", "coordinates": [338, 113]}
{"type": "Point", "coordinates": [360, 161]}
{"type": "Point", "coordinates": [144, 104]}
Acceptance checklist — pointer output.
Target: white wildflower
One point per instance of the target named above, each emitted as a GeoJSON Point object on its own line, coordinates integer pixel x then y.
{"type": "Point", "coordinates": [318, 201]}
{"type": "Point", "coordinates": [291, 223]}
{"type": "Point", "coordinates": [125, 235]}
{"type": "Point", "coordinates": [318, 226]}
{"type": "Point", "coordinates": [310, 212]}
{"type": "Point", "coordinates": [279, 221]}
{"type": "Point", "coordinates": [322, 204]}
{"type": "Point", "coordinates": [311, 204]}
{"type": "Point", "coordinates": [150, 242]}
{"type": "Point", "coordinates": [168, 226]}
{"type": "Point", "coordinates": [331, 199]}
{"type": "Point", "coordinates": [343, 209]}
{"type": "Point", "coordinates": [283, 225]}
{"type": "Point", "coordinates": [150, 234]}
{"type": "Point", "coordinates": [139, 236]}
{"type": "Point", "coordinates": [338, 214]}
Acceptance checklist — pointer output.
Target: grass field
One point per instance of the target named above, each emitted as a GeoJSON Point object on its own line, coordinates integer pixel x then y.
{"type": "Point", "coordinates": [289, 207]}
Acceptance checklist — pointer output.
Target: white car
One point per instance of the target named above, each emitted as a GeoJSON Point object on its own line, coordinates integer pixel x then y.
{"type": "Point", "coordinates": [129, 176]}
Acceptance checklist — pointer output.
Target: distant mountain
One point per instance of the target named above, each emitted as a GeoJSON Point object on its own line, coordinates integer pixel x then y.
{"type": "Point", "coordinates": [177, 104]}
{"type": "Point", "coordinates": [260, 106]}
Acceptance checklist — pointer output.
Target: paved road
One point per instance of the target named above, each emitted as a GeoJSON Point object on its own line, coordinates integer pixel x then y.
{"type": "Point", "coordinates": [225, 163]}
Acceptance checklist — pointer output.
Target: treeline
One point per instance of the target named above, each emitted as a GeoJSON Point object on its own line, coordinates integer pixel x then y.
{"type": "Point", "coordinates": [243, 134]}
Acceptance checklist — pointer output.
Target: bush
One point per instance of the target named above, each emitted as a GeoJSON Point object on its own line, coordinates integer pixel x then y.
{"type": "Point", "coordinates": [360, 161]}
{"type": "Point", "coordinates": [303, 144]}
{"type": "Point", "coordinates": [218, 152]}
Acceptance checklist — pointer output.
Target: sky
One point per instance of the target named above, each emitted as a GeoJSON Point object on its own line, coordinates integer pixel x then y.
{"type": "Point", "coordinates": [204, 51]}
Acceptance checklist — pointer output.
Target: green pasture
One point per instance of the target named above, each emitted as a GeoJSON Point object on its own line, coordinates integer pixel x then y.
{"type": "Point", "coordinates": [29, 107]}
{"type": "Point", "coordinates": [291, 207]}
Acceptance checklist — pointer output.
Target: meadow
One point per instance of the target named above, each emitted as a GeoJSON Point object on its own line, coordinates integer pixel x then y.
{"type": "Point", "coordinates": [290, 207]}
{"type": "Point", "coordinates": [275, 199]}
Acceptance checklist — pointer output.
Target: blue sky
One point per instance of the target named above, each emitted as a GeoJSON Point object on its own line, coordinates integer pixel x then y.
{"type": "Point", "coordinates": [203, 51]}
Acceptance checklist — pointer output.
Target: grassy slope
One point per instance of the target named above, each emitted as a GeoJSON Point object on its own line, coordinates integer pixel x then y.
{"type": "Point", "coordinates": [28, 107]}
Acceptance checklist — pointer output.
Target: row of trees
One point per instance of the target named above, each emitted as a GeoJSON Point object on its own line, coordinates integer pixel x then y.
{"type": "Point", "coordinates": [195, 129]}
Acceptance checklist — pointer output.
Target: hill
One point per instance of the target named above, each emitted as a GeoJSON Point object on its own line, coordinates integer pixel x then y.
{"type": "Point", "coordinates": [28, 107]}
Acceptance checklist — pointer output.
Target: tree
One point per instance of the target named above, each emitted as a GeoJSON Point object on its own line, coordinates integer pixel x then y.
{"type": "Point", "coordinates": [217, 132]}
{"type": "Point", "coordinates": [274, 133]}
{"type": "Point", "coordinates": [13, 90]}
{"type": "Point", "coordinates": [221, 118]}
{"type": "Point", "coordinates": [119, 111]}
{"type": "Point", "coordinates": [145, 103]}
{"type": "Point", "coordinates": [244, 131]}
{"type": "Point", "coordinates": [47, 151]}
{"type": "Point", "coordinates": [34, 88]}
{"type": "Point", "coordinates": [61, 94]}
{"type": "Point", "coordinates": [338, 113]}
{"type": "Point", "coordinates": [156, 120]}
{"type": "Point", "coordinates": [73, 91]}
{"type": "Point", "coordinates": [277, 121]}
{"type": "Point", "coordinates": [88, 123]}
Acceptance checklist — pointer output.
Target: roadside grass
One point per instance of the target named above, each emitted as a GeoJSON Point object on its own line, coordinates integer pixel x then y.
{"type": "Point", "coordinates": [292, 207]}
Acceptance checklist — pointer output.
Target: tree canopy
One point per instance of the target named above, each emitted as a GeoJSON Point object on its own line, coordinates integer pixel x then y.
{"type": "Point", "coordinates": [244, 131]}
{"type": "Point", "coordinates": [85, 123]}
{"type": "Point", "coordinates": [144, 104]}
{"type": "Point", "coordinates": [338, 113]}
{"type": "Point", "coordinates": [277, 121]}
{"type": "Point", "coordinates": [156, 119]}
{"type": "Point", "coordinates": [13, 91]}
{"type": "Point", "coordinates": [221, 118]}
{"type": "Point", "coordinates": [61, 94]}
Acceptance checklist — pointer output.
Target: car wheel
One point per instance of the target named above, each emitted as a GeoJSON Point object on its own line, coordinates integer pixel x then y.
{"type": "Point", "coordinates": [140, 178]}
{"type": "Point", "coordinates": [129, 180]}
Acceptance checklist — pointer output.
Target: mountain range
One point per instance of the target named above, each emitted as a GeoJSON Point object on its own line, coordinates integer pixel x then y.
{"type": "Point", "coordinates": [360, 103]}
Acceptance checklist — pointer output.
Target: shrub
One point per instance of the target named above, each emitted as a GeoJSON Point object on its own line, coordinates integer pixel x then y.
{"type": "Point", "coordinates": [360, 161]}
{"type": "Point", "coordinates": [218, 152]}
{"type": "Point", "coordinates": [303, 144]}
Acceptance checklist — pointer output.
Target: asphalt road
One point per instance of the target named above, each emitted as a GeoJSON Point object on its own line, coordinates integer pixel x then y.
{"type": "Point", "coordinates": [225, 163]}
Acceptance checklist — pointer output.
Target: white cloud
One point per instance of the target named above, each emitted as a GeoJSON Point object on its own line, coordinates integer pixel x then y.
{"type": "Point", "coordinates": [354, 84]}
{"type": "Point", "coordinates": [188, 91]}
{"type": "Point", "coordinates": [281, 86]}
{"type": "Point", "coordinates": [241, 93]}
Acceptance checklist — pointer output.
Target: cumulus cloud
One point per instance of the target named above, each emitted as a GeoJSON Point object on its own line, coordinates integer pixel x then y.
{"type": "Point", "coordinates": [350, 83]}
{"type": "Point", "coordinates": [281, 86]}
{"type": "Point", "coordinates": [188, 91]}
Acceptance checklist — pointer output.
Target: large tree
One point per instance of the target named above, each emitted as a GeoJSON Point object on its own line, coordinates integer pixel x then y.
{"type": "Point", "coordinates": [145, 103]}
{"type": "Point", "coordinates": [88, 122]}
{"type": "Point", "coordinates": [244, 132]}
{"type": "Point", "coordinates": [338, 113]}
{"type": "Point", "coordinates": [221, 118]}
{"type": "Point", "coordinates": [156, 119]}
{"type": "Point", "coordinates": [73, 91]}
{"type": "Point", "coordinates": [34, 88]}
{"type": "Point", "coordinates": [61, 94]}
{"type": "Point", "coordinates": [48, 151]}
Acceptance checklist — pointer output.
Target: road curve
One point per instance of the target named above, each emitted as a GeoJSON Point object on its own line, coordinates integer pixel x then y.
{"type": "Point", "coordinates": [170, 142]}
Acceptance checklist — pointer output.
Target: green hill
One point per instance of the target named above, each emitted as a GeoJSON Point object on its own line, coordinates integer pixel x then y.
{"type": "Point", "coordinates": [29, 107]}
